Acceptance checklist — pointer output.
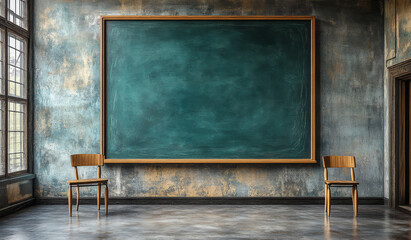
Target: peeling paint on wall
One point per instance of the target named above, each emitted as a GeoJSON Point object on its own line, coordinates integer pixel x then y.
{"type": "Point", "coordinates": [350, 64]}
{"type": "Point", "coordinates": [404, 29]}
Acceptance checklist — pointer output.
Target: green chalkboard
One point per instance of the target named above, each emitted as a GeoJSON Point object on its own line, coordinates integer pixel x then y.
{"type": "Point", "coordinates": [208, 89]}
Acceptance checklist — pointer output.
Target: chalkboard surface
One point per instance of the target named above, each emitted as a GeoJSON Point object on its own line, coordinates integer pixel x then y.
{"type": "Point", "coordinates": [208, 89]}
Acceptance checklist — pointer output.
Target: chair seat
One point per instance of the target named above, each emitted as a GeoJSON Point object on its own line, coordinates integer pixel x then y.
{"type": "Point", "coordinates": [335, 182]}
{"type": "Point", "coordinates": [87, 181]}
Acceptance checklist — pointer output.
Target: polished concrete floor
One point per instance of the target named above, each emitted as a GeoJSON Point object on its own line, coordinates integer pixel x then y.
{"type": "Point", "coordinates": [206, 222]}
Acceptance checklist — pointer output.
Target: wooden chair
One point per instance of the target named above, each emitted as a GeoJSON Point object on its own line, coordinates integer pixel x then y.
{"type": "Point", "coordinates": [339, 162]}
{"type": "Point", "coordinates": [87, 160]}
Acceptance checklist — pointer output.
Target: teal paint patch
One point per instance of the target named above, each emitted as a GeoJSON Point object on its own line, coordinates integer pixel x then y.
{"type": "Point", "coordinates": [208, 89]}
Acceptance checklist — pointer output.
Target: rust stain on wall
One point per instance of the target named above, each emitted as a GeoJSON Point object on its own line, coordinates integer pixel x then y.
{"type": "Point", "coordinates": [77, 75]}
{"type": "Point", "coordinates": [130, 5]}
{"type": "Point", "coordinates": [173, 181]}
{"type": "Point", "coordinates": [48, 26]}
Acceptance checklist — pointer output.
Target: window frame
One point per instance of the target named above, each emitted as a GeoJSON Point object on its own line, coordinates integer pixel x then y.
{"type": "Point", "coordinates": [10, 27]}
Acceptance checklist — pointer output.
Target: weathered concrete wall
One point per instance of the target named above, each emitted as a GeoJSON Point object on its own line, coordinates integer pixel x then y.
{"type": "Point", "coordinates": [349, 100]}
{"type": "Point", "coordinates": [397, 32]}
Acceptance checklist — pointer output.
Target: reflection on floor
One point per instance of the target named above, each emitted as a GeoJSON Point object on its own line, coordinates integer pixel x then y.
{"type": "Point", "coordinates": [206, 222]}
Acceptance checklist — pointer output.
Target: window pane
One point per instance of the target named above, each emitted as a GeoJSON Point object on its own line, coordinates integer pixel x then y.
{"type": "Point", "coordinates": [17, 12]}
{"type": "Point", "coordinates": [17, 66]}
{"type": "Point", "coordinates": [16, 131]}
{"type": "Point", "coordinates": [1, 61]}
{"type": "Point", "coordinates": [2, 143]}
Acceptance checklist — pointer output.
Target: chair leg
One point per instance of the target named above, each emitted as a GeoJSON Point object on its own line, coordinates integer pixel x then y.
{"type": "Point", "coordinates": [329, 200]}
{"type": "Point", "coordinates": [69, 200]}
{"type": "Point", "coordinates": [356, 201]}
{"type": "Point", "coordinates": [98, 196]}
{"type": "Point", "coordinates": [325, 198]}
{"type": "Point", "coordinates": [78, 197]}
{"type": "Point", "coordinates": [353, 198]}
{"type": "Point", "coordinates": [106, 199]}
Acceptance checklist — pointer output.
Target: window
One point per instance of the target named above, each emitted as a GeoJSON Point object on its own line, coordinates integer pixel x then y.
{"type": "Point", "coordinates": [17, 66]}
{"type": "Point", "coordinates": [17, 12]}
{"type": "Point", "coordinates": [14, 40]}
{"type": "Point", "coordinates": [16, 131]}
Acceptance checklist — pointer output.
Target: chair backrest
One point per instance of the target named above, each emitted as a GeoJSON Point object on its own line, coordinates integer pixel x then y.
{"type": "Point", "coordinates": [87, 160]}
{"type": "Point", "coordinates": [339, 162]}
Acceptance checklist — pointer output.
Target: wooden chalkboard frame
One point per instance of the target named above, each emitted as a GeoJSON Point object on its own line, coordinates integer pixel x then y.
{"type": "Point", "coordinates": [208, 18]}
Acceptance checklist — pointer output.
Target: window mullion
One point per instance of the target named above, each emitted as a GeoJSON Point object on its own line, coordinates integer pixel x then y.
{"type": "Point", "coordinates": [6, 92]}
{"type": "Point", "coordinates": [3, 157]}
